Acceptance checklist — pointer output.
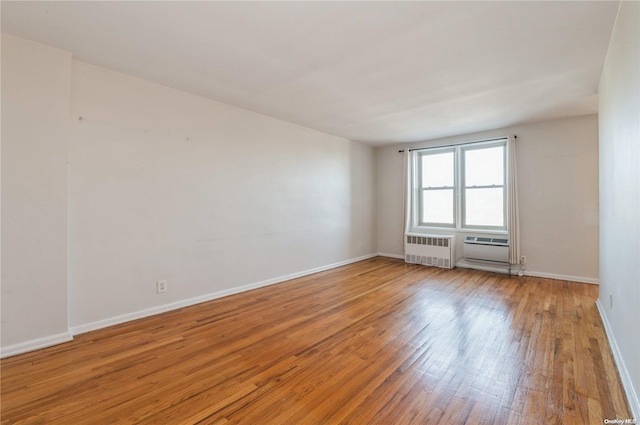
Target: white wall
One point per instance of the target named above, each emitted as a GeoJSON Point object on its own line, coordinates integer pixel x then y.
{"type": "Point", "coordinates": [35, 136]}
{"type": "Point", "coordinates": [558, 194]}
{"type": "Point", "coordinates": [161, 185]}
{"type": "Point", "coordinates": [167, 185]}
{"type": "Point", "coordinates": [619, 106]}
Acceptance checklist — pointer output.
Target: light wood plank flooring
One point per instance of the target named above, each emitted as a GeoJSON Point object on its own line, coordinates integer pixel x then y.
{"type": "Point", "coordinates": [375, 342]}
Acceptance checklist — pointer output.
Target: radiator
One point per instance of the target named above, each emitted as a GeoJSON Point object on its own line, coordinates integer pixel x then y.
{"type": "Point", "coordinates": [430, 250]}
{"type": "Point", "coordinates": [486, 249]}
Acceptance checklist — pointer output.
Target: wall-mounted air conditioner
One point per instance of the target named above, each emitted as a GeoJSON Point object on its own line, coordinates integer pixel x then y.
{"type": "Point", "coordinates": [486, 249]}
{"type": "Point", "coordinates": [430, 250]}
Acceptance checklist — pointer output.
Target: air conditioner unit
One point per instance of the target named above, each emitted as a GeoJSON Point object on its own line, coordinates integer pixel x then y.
{"type": "Point", "coordinates": [430, 250]}
{"type": "Point", "coordinates": [486, 249]}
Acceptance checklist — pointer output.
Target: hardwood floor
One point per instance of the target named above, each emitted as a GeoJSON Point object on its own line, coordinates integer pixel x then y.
{"type": "Point", "coordinates": [375, 342]}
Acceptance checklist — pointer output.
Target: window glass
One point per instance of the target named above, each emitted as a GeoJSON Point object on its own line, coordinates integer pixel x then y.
{"type": "Point", "coordinates": [484, 207]}
{"type": "Point", "coordinates": [438, 170]}
{"type": "Point", "coordinates": [484, 167]}
{"type": "Point", "coordinates": [437, 206]}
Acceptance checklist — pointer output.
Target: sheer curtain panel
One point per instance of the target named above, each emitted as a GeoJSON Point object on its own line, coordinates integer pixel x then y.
{"type": "Point", "coordinates": [513, 212]}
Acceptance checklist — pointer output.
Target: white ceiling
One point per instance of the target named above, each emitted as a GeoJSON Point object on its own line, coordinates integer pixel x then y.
{"type": "Point", "coordinates": [378, 72]}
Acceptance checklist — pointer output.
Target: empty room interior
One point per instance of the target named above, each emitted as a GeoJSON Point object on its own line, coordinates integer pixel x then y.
{"type": "Point", "coordinates": [320, 212]}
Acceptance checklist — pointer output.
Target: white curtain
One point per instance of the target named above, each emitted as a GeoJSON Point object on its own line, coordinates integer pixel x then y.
{"type": "Point", "coordinates": [406, 192]}
{"type": "Point", "coordinates": [513, 210]}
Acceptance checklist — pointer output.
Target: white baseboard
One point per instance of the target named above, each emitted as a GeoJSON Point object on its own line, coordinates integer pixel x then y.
{"type": "Point", "coordinates": [76, 330]}
{"type": "Point", "coordinates": [486, 266]}
{"type": "Point", "coordinates": [627, 384]}
{"type": "Point", "coordinates": [384, 254]}
{"type": "Point", "coordinates": [581, 279]}
{"type": "Point", "coordinates": [35, 344]}
{"type": "Point", "coordinates": [498, 268]}
{"type": "Point", "coordinates": [49, 341]}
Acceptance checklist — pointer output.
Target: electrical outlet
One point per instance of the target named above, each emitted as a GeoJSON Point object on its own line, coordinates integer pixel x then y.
{"type": "Point", "coordinates": [611, 301]}
{"type": "Point", "coordinates": [161, 286]}
{"type": "Point", "coordinates": [523, 260]}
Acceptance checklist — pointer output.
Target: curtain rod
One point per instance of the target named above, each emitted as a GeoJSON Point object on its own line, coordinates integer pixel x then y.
{"type": "Point", "coordinates": [457, 144]}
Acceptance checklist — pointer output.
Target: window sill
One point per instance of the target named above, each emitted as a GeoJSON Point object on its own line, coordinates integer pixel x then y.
{"type": "Point", "coordinates": [446, 230]}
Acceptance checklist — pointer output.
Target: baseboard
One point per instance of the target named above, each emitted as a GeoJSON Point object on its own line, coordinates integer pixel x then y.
{"type": "Point", "coordinates": [384, 254]}
{"type": "Point", "coordinates": [627, 384]}
{"type": "Point", "coordinates": [581, 279]}
{"type": "Point", "coordinates": [100, 324]}
{"type": "Point", "coordinates": [49, 341]}
{"type": "Point", "coordinates": [486, 266]}
{"type": "Point", "coordinates": [35, 344]}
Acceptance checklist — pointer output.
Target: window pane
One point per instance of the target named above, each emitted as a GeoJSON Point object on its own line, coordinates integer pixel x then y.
{"type": "Point", "coordinates": [484, 167]}
{"type": "Point", "coordinates": [484, 207]}
{"type": "Point", "coordinates": [437, 170]}
{"type": "Point", "coordinates": [437, 206]}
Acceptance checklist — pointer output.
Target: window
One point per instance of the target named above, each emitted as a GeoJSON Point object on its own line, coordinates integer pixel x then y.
{"type": "Point", "coordinates": [461, 187]}
{"type": "Point", "coordinates": [437, 188]}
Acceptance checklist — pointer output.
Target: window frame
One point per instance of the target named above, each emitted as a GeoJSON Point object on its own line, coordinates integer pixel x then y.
{"type": "Point", "coordinates": [421, 190]}
{"type": "Point", "coordinates": [459, 188]}
{"type": "Point", "coordinates": [463, 184]}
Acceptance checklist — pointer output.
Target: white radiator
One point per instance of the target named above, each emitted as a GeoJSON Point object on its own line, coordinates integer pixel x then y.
{"type": "Point", "coordinates": [486, 249]}
{"type": "Point", "coordinates": [430, 250]}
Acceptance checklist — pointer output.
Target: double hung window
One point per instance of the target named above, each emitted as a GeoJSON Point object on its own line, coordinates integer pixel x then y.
{"type": "Point", "coordinates": [461, 187]}
{"type": "Point", "coordinates": [437, 180]}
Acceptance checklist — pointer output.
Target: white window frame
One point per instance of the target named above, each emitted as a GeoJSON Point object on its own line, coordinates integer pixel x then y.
{"type": "Point", "coordinates": [421, 190]}
{"type": "Point", "coordinates": [459, 202]}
